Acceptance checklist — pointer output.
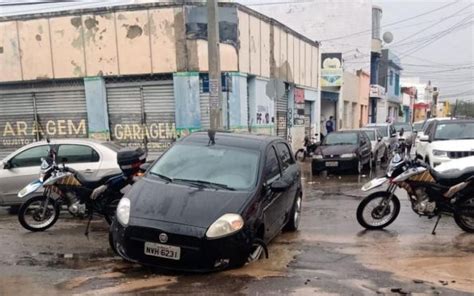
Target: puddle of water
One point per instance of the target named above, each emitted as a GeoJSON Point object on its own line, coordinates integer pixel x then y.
{"type": "Point", "coordinates": [280, 255]}
{"type": "Point", "coordinates": [151, 284]}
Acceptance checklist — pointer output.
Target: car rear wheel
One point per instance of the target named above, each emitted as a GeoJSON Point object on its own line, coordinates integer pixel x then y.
{"type": "Point", "coordinates": [295, 215]}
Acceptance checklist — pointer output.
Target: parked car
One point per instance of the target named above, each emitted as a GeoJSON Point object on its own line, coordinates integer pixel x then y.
{"type": "Point", "coordinates": [417, 126]}
{"type": "Point", "coordinates": [388, 132]}
{"type": "Point", "coordinates": [408, 135]}
{"type": "Point", "coordinates": [420, 146]}
{"type": "Point", "coordinates": [210, 203]}
{"type": "Point", "coordinates": [94, 158]}
{"type": "Point", "coordinates": [446, 140]}
{"type": "Point", "coordinates": [379, 149]}
{"type": "Point", "coordinates": [343, 150]}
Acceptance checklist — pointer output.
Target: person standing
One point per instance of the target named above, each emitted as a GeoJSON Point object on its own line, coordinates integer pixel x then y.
{"type": "Point", "coordinates": [329, 125]}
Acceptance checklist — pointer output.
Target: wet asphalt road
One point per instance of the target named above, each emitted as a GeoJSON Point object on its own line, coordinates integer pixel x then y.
{"type": "Point", "coordinates": [330, 255]}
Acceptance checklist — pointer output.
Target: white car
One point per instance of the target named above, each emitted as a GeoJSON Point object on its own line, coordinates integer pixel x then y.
{"type": "Point", "coordinates": [446, 140]}
{"type": "Point", "coordinates": [379, 149]}
{"type": "Point", "coordinates": [388, 132]}
{"type": "Point", "coordinates": [93, 158]}
{"type": "Point", "coordinates": [420, 146]}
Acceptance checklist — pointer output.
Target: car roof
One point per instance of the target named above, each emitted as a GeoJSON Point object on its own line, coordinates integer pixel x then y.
{"type": "Point", "coordinates": [346, 131]}
{"type": "Point", "coordinates": [68, 141]}
{"type": "Point", "coordinates": [379, 124]}
{"type": "Point", "coordinates": [241, 140]}
{"type": "Point", "coordinates": [456, 121]}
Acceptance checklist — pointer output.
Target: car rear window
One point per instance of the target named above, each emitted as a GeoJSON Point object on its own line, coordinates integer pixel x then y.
{"type": "Point", "coordinates": [341, 139]}
{"type": "Point", "coordinates": [370, 134]}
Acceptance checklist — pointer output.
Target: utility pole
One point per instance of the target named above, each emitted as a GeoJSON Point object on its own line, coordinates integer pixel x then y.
{"type": "Point", "coordinates": [215, 94]}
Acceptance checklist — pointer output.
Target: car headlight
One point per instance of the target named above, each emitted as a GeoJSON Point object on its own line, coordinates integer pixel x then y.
{"type": "Point", "coordinates": [123, 211]}
{"type": "Point", "coordinates": [348, 155]}
{"type": "Point", "coordinates": [227, 224]}
{"type": "Point", "coordinates": [440, 153]}
{"type": "Point", "coordinates": [317, 156]}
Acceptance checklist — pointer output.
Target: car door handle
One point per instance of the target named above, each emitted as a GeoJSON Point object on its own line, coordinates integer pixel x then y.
{"type": "Point", "coordinates": [88, 171]}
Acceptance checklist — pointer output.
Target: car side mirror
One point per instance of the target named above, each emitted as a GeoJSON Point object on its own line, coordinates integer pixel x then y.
{"type": "Point", "coordinates": [144, 167]}
{"type": "Point", "coordinates": [7, 165]}
{"type": "Point", "coordinates": [424, 138]}
{"type": "Point", "coordinates": [279, 186]}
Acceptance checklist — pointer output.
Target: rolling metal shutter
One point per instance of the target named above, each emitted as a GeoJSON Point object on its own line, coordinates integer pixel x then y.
{"type": "Point", "coordinates": [124, 102]}
{"type": "Point", "coordinates": [282, 116]}
{"type": "Point", "coordinates": [205, 110]}
{"type": "Point", "coordinates": [60, 113]}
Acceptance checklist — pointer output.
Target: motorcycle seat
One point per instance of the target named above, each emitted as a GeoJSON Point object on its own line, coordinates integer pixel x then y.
{"type": "Point", "coordinates": [452, 177]}
{"type": "Point", "coordinates": [93, 182]}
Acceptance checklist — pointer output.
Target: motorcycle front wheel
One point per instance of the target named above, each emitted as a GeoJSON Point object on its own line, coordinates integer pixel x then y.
{"type": "Point", "coordinates": [38, 213]}
{"type": "Point", "coordinates": [464, 215]}
{"type": "Point", "coordinates": [376, 212]}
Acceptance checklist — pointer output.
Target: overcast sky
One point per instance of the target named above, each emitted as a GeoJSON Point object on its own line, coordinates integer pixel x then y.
{"type": "Point", "coordinates": [437, 46]}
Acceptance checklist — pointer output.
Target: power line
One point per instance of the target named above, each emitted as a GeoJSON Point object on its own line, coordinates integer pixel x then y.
{"type": "Point", "coordinates": [395, 23]}
{"type": "Point", "coordinates": [429, 27]}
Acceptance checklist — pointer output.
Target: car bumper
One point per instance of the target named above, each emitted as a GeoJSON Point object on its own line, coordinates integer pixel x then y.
{"type": "Point", "coordinates": [329, 164]}
{"type": "Point", "coordinates": [197, 254]}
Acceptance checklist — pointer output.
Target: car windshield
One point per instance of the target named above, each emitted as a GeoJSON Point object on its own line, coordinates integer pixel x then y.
{"type": "Point", "coordinates": [382, 129]}
{"type": "Point", "coordinates": [406, 127]}
{"type": "Point", "coordinates": [218, 167]}
{"type": "Point", "coordinates": [370, 134]}
{"type": "Point", "coordinates": [417, 126]}
{"type": "Point", "coordinates": [341, 139]}
{"type": "Point", "coordinates": [454, 131]}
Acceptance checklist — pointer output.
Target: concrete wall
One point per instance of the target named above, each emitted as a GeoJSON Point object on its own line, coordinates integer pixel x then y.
{"type": "Point", "coordinates": [268, 49]}
{"type": "Point", "coordinates": [364, 89]}
{"type": "Point", "coordinates": [110, 43]}
{"type": "Point", "coordinates": [350, 96]}
{"type": "Point", "coordinates": [327, 19]}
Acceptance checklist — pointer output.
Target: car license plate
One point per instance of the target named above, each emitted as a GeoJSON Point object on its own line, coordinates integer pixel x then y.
{"type": "Point", "coordinates": [332, 163]}
{"type": "Point", "coordinates": [163, 251]}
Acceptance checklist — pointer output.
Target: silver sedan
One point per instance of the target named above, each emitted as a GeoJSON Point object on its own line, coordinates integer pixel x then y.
{"type": "Point", "coordinates": [91, 157]}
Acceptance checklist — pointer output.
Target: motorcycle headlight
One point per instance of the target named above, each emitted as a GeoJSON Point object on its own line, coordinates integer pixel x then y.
{"type": "Point", "coordinates": [348, 155]}
{"type": "Point", "coordinates": [440, 153]}
{"type": "Point", "coordinates": [226, 225]}
{"type": "Point", "coordinates": [123, 211]}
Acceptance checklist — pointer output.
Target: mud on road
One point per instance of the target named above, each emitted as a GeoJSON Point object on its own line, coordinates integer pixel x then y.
{"type": "Point", "coordinates": [330, 255]}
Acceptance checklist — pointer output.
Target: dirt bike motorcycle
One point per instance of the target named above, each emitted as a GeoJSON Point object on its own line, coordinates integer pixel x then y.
{"type": "Point", "coordinates": [309, 148]}
{"type": "Point", "coordinates": [81, 195]}
{"type": "Point", "coordinates": [447, 189]}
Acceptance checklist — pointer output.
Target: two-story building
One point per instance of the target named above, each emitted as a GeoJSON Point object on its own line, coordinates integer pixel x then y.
{"type": "Point", "coordinates": [389, 70]}
{"type": "Point", "coordinates": [137, 74]}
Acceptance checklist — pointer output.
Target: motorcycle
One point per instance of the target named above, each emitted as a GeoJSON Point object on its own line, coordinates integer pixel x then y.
{"type": "Point", "coordinates": [445, 190]}
{"type": "Point", "coordinates": [82, 196]}
{"type": "Point", "coordinates": [309, 148]}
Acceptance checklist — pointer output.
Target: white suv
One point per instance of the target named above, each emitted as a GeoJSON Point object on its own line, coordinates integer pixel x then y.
{"type": "Point", "coordinates": [446, 140]}
{"type": "Point", "coordinates": [420, 146]}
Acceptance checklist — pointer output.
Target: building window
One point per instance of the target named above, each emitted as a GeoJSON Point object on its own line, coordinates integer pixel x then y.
{"type": "Point", "coordinates": [397, 84]}
{"type": "Point", "coordinates": [391, 77]}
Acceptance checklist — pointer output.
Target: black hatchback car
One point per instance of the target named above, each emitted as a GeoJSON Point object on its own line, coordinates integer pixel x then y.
{"type": "Point", "coordinates": [343, 150]}
{"type": "Point", "coordinates": [210, 203]}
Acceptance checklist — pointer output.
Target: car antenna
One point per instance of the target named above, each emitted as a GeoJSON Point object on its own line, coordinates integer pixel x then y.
{"type": "Point", "coordinates": [212, 137]}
